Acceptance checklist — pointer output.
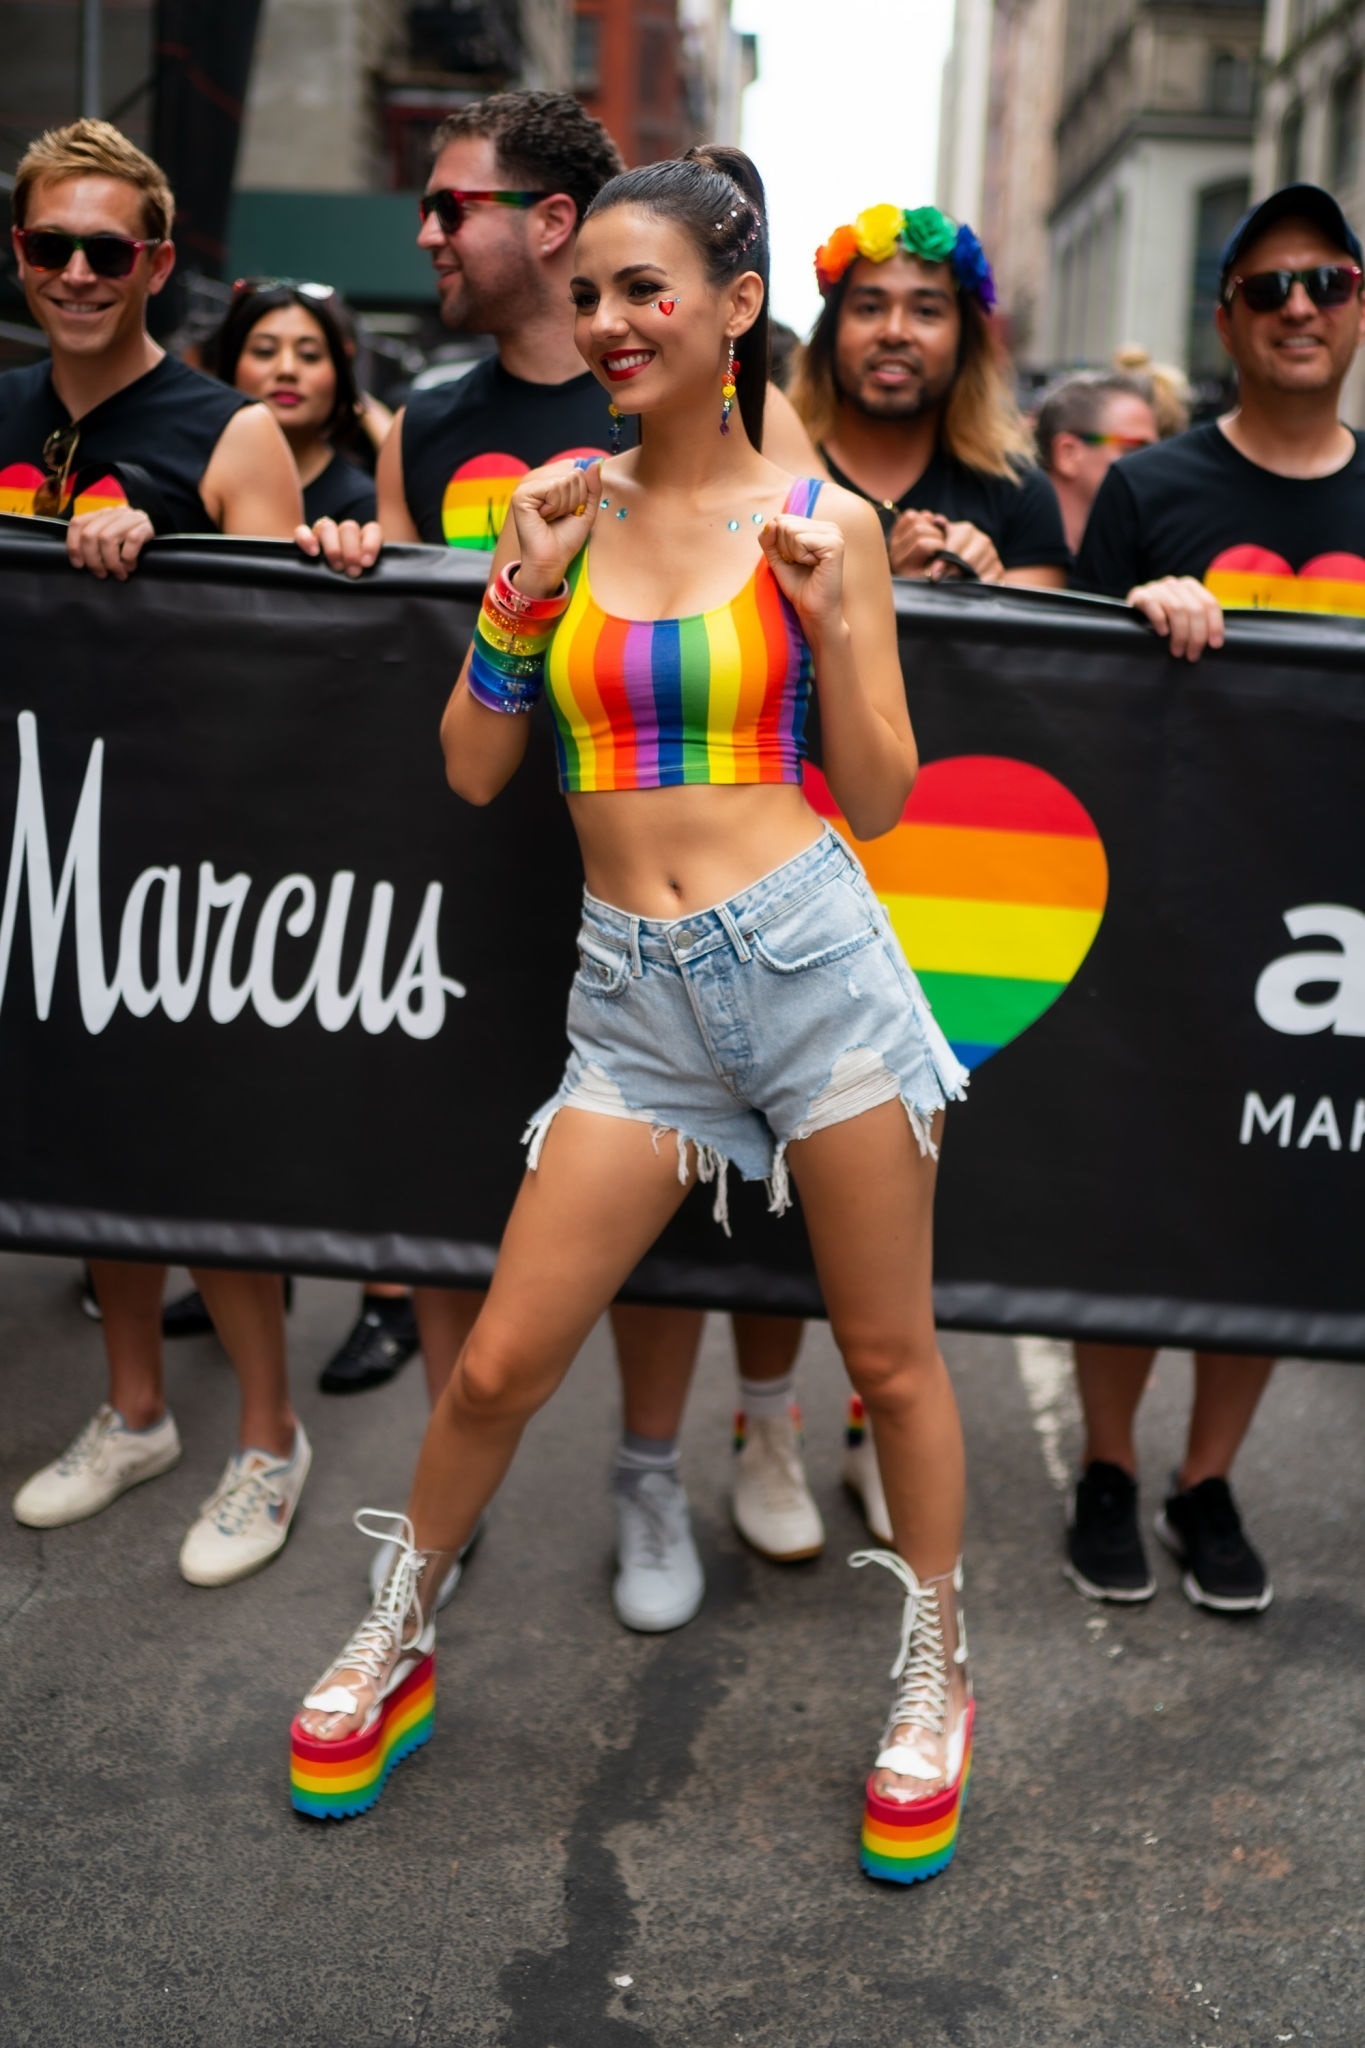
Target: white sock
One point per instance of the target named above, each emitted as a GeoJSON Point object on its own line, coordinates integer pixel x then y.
{"type": "Point", "coordinates": [763, 1400]}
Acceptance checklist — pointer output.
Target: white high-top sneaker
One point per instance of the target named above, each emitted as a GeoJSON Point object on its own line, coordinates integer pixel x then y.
{"type": "Point", "coordinates": [771, 1502]}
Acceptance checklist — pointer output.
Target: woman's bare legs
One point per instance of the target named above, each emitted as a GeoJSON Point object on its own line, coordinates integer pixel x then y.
{"type": "Point", "coordinates": [867, 1195]}
{"type": "Point", "coordinates": [130, 1321]}
{"type": "Point", "coordinates": [1227, 1392]}
{"type": "Point", "coordinates": [582, 1220]}
{"type": "Point", "coordinates": [656, 1354]}
{"type": "Point", "coordinates": [248, 1311]}
{"type": "Point", "coordinates": [248, 1314]}
{"type": "Point", "coordinates": [445, 1317]}
{"type": "Point", "coordinates": [1111, 1379]}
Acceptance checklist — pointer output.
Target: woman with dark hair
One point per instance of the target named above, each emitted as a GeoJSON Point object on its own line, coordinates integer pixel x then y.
{"type": "Point", "coordinates": [740, 1000]}
{"type": "Point", "coordinates": [283, 343]}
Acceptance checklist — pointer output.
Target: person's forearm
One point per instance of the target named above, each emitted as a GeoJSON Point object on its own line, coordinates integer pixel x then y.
{"type": "Point", "coordinates": [869, 765]}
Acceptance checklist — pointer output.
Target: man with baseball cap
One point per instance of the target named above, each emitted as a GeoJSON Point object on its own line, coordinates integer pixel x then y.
{"type": "Point", "coordinates": [1238, 513]}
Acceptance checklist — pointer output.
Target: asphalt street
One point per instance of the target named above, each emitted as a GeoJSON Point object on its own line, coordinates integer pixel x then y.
{"type": "Point", "coordinates": [630, 1842]}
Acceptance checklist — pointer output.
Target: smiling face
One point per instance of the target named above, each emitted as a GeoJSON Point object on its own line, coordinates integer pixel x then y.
{"type": "Point", "coordinates": [285, 361]}
{"type": "Point", "coordinates": [1302, 347]}
{"type": "Point", "coordinates": [81, 314]}
{"type": "Point", "coordinates": [486, 272]}
{"type": "Point", "coordinates": [648, 322]}
{"type": "Point", "coordinates": [896, 345]}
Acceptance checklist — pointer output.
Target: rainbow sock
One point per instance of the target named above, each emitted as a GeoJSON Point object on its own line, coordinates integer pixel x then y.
{"type": "Point", "coordinates": [903, 1842]}
{"type": "Point", "coordinates": [332, 1780]}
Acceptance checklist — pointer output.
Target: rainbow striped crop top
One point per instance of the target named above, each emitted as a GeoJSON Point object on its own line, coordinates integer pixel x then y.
{"type": "Point", "coordinates": [651, 703]}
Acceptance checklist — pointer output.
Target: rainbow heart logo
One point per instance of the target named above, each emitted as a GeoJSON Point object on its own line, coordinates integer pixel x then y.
{"type": "Point", "coordinates": [1255, 579]}
{"type": "Point", "coordinates": [479, 492]}
{"type": "Point", "coordinates": [20, 484]}
{"type": "Point", "coordinates": [995, 881]}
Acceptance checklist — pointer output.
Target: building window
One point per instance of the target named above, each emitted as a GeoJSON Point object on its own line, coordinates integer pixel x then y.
{"type": "Point", "coordinates": [1231, 83]}
{"type": "Point", "coordinates": [1218, 208]}
{"type": "Point", "coordinates": [1344, 128]}
{"type": "Point", "coordinates": [1291, 146]}
{"type": "Point", "coordinates": [587, 52]}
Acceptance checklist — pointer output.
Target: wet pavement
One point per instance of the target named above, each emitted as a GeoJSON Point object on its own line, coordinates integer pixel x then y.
{"type": "Point", "coordinates": [631, 1842]}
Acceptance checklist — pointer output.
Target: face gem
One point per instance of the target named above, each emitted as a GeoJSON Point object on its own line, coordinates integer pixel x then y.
{"type": "Point", "coordinates": [665, 306]}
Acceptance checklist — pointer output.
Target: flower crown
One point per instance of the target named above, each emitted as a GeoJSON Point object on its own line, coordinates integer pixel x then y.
{"type": "Point", "coordinates": [879, 231]}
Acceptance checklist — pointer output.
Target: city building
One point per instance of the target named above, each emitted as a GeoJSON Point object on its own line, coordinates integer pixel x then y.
{"type": "Point", "coordinates": [1312, 114]}
{"type": "Point", "coordinates": [1154, 158]}
{"type": "Point", "coordinates": [963, 111]}
{"type": "Point", "coordinates": [1020, 170]}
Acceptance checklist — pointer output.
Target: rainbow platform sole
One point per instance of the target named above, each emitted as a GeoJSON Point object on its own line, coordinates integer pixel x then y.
{"type": "Point", "coordinates": [904, 1844]}
{"type": "Point", "coordinates": [333, 1780]}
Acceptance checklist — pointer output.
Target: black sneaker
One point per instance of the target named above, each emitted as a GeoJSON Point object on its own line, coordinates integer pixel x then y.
{"type": "Point", "coordinates": [1105, 1557]}
{"type": "Point", "coordinates": [187, 1315]}
{"type": "Point", "coordinates": [1202, 1528]}
{"type": "Point", "coordinates": [382, 1341]}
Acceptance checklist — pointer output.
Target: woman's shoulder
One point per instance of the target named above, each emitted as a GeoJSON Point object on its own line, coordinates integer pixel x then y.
{"type": "Point", "coordinates": [846, 509]}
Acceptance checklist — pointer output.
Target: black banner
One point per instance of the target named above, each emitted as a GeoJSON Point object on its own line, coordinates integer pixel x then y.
{"type": "Point", "coordinates": [270, 995]}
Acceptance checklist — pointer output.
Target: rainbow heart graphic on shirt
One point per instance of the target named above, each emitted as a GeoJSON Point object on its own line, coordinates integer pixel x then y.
{"type": "Point", "coordinates": [480, 490]}
{"type": "Point", "coordinates": [1256, 579]}
{"type": "Point", "coordinates": [20, 484]}
{"type": "Point", "coordinates": [995, 881]}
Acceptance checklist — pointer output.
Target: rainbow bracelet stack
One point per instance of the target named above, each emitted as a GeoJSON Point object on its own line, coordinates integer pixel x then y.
{"type": "Point", "coordinates": [511, 640]}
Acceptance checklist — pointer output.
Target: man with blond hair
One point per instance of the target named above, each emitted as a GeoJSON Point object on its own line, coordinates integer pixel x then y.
{"type": "Point", "coordinates": [901, 388]}
{"type": "Point", "coordinates": [121, 441]}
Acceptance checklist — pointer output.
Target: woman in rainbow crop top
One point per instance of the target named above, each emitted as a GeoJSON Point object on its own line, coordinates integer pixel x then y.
{"type": "Point", "coordinates": [740, 999]}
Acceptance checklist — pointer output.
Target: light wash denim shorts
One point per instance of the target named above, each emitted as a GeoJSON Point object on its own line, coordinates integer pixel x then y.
{"type": "Point", "coordinates": [763, 1019]}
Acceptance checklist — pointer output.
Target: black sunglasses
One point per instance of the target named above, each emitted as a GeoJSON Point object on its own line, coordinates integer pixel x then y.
{"type": "Point", "coordinates": [1327, 285]}
{"type": "Point", "coordinates": [449, 206]}
{"type": "Point", "coordinates": [107, 255]}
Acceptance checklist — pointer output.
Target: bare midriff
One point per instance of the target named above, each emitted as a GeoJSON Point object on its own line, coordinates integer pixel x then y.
{"type": "Point", "coordinates": [663, 853]}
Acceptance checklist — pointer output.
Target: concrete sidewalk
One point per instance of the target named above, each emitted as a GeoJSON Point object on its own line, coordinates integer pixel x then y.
{"type": "Point", "coordinates": [625, 1842]}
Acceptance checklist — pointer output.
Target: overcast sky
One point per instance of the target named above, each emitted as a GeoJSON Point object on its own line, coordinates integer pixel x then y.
{"type": "Point", "coordinates": [843, 115]}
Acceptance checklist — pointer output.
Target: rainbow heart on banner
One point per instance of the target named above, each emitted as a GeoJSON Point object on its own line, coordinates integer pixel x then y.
{"type": "Point", "coordinates": [995, 881]}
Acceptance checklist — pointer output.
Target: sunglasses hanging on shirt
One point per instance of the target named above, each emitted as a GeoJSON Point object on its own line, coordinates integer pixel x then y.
{"type": "Point", "coordinates": [1328, 285]}
{"type": "Point", "coordinates": [107, 255]}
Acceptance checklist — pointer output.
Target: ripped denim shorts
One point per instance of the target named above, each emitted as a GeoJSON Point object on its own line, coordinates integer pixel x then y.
{"type": "Point", "coordinates": [763, 1019]}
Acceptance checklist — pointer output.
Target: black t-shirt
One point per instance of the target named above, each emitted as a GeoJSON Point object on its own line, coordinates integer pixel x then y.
{"type": "Point", "coordinates": [1194, 506]}
{"type": "Point", "coordinates": [148, 445]}
{"type": "Point", "coordinates": [341, 491]}
{"type": "Point", "coordinates": [466, 446]}
{"type": "Point", "coordinates": [1019, 514]}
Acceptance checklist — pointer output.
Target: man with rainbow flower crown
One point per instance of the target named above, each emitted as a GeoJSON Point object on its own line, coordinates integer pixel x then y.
{"type": "Point", "coordinates": [901, 388]}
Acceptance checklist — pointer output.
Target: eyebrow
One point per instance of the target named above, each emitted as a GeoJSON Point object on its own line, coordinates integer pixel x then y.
{"type": "Point", "coordinates": [630, 270]}
{"type": "Point", "coordinates": [918, 291]}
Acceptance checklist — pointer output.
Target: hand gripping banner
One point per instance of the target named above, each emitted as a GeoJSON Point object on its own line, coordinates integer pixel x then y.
{"type": "Point", "coordinates": [271, 995]}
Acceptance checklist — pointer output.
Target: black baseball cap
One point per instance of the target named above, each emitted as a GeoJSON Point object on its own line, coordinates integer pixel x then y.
{"type": "Point", "coordinates": [1298, 202]}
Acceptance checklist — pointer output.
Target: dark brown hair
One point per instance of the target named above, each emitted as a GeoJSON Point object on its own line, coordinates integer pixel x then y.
{"type": "Point", "coordinates": [715, 193]}
{"type": "Point", "coordinates": [223, 351]}
{"type": "Point", "coordinates": [543, 141]}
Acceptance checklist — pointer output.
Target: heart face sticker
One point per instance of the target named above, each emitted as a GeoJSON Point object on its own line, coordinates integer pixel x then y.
{"type": "Point", "coordinates": [1255, 579]}
{"type": "Point", "coordinates": [995, 881]}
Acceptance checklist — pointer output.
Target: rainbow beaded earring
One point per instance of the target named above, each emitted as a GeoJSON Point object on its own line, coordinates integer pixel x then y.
{"type": "Point", "coordinates": [614, 431]}
{"type": "Point", "coordinates": [727, 391]}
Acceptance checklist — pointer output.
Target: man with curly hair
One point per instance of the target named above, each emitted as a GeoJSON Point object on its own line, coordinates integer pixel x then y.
{"type": "Point", "coordinates": [902, 388]}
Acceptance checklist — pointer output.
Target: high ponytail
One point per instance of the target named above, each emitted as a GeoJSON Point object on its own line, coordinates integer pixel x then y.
{"type": "Point", "coordinates": [715, 193]}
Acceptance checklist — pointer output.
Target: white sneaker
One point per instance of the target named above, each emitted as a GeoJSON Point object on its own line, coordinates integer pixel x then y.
{"type": "Point", "coordinates": [771, 1502]}
{"type": "Point", "coordinates": [244, 1523]}
{"type": "Point", "coordinates": [385, 1557]}
{"type": "Point", "coordinates": [659, 1583]}
{"type": "Point", "coordinates": [103, 1462]}
{"type": "Point", "coordinates": [862, 1476]}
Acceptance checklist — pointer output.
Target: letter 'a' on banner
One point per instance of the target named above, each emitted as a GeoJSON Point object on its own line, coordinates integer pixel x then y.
{"type": "Point", "coordinates": [270, 995]}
